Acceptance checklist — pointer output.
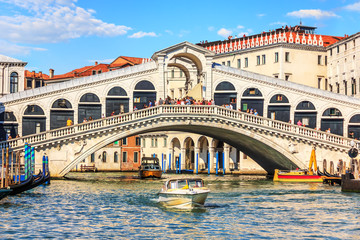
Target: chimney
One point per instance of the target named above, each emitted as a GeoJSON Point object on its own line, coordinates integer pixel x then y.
{"type": "Point", "coordinates": [51, 73]}
{"type": "Point", "coordinates": [96, 63]}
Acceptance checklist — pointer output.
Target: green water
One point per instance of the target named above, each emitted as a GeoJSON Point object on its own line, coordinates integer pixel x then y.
{"type": "Point", "coordinates": [106, 206]}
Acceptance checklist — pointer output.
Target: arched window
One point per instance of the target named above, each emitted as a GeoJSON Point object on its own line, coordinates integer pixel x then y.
{"type": "Point", "coordinates": [225, 94]}
{"type": "Point", "coordinates": [144, 93]}
{"type": "Point", "coordinates": [14, 82]}
{"type": "Point", "coordinates": [116, 157]}
{"type": "Point", "coordinates": [117, 101]}
{"type": "Point", "coordinates": [104, 157]}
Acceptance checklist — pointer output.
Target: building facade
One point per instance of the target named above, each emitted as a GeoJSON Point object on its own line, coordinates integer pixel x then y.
{"type": "Point", "coordinates": [344, 66]}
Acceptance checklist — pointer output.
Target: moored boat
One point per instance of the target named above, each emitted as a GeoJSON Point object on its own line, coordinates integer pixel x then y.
{"type": "Point", "coordinates": [184, 193]}
{"type": "Point", "coordinates": [296, 176]}
{"type": "Point", "coordinates": [300, 175]}
{"type": "Point", "coordinates": [150, 168]}
{"type": "Point", "coordinates": [4, 192]}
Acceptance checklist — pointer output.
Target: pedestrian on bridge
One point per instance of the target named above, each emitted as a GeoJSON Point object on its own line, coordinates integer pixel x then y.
{"type": "Point", "coordinates": [69, 122]}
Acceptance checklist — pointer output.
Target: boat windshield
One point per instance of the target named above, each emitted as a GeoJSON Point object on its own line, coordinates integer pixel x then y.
{"type": "Point", "coordinates": [195, 183]}
{"type": "Point", "coordinates": [182, 184]}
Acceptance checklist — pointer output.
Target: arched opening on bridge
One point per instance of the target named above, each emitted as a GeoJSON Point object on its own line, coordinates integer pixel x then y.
{"type": "Point", "coordinates": [89, 106]}
{"type": "Point", "coordinates": [189, 154]}
{"type": "Point", "coordinates": [332, 120]}
{"type": "Point", "coordinates": [181, 85]}
{"type": "Point", "coordinates": [279, 108]}
{"type": "Point", "coordinates": [354, 127]}
{"type": "Point", "coordinates": [252, 98]}
{"type": "Point", "coordinates": [60, 111]}
{"type": "Point", "coordinates": [225, 94]}
{"type": "Point", "coordinates": [175, 152]}
{"type": "Point", "coordinates": [178, 80]}
{"type": "Point", "coordinates": [117, 101]}
{"type": "Point", "coordinates": [8, 125]}
{"type": "Point", "coordinates": [203, 144]}
{"type": "Point", "coordinates": [306, 113]}
{"type": "Point", "coordinates": [34, 120]}
{"type": "Point", "coordinates": [144, 93]}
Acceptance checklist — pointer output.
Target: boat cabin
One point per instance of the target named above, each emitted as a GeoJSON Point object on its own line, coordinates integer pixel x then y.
{"type": "Point", "coordinates": [184, 183]}
{"type": "Point", "coordinates": [150, 163]}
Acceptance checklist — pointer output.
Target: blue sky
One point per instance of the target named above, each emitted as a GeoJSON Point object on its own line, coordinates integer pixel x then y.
{"type": "Point", "coordinates": [69, 34]}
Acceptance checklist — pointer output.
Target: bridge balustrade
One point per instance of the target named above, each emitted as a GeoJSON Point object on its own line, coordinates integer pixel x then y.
{"type": "Point", "coordinates": [212, 110]}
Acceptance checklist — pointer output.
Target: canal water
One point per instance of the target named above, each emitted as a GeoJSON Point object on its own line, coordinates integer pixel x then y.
{"type": "Point", "coordinates": [110, 207]}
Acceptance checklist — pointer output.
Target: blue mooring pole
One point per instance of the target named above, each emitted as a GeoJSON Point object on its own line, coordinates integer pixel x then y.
{"type": "Point", "coordinates": [47, 164]}
{"type": "Point", "coordinates": [197, 162]}
{"type": "Point", "coordinates": [43, 165]}
{"type": "Point", "coordinates": [180, 163]}
{"type": "Point", "coordinates": [217, 162]}
{"type": "Point", "coordinates": [169, 161]}
{"type": "Point", "coordinates": [32, 160]}
{"type": "Point", "coordinates": [208, 161]}
{"type": "Point", "coordinates": [162, 160]}
{"type": "Point", "coordinates": [223, 163]}
{"type": "Point", "coordinates": [26, 160]}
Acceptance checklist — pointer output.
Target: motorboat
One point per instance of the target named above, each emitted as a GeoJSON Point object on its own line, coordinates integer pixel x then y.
{"type": "Point", "coordinates": [150, 168]}
{"type": "Point", "coordinates": [186, 193]}
{"type": "Point", "coordinates": [300, 175]}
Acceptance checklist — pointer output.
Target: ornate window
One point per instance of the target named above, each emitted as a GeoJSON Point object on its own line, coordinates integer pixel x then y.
{"type": "Point", "coordinates": [14, 82]}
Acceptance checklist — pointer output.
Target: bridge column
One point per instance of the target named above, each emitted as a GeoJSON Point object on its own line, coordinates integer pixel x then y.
{"type": "Point", "coordinates": [183, 155]}
{"type": "Point", "coordinates": [227, 157]}
{"type": "Point", "coordinates": [212, 155]}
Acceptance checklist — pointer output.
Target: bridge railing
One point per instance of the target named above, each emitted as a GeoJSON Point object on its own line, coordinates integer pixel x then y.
{"type": "Point", "coordinates": [211, 110]}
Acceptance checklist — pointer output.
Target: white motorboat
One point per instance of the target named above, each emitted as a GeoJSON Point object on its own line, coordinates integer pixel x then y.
{"type": "Point", "coordinates": [186, 193]}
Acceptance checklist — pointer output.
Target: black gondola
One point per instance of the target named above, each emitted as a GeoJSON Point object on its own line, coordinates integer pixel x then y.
{"type": "Point", "coordinates": [22, 186]}
{"type": "Point", "coordinates": [329, 175]}
{"type": "Point", "coordinates": [320, 173]}
{"type": "Point", "coordinates": [4, 192]}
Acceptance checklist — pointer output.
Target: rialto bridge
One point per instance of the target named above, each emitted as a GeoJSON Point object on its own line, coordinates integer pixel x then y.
{"type": "Point", "coordinates": [270, 138]}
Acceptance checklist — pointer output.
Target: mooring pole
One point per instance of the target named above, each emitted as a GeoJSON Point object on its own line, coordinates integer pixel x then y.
{"type": "Point", "coordinates": [217, 162]}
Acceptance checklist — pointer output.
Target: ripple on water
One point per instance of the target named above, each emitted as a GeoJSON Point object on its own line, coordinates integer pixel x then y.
{"type": "Point", "coordinates": [129, 209]}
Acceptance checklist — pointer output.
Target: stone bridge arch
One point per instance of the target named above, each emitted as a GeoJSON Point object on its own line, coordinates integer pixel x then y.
{"type": "Point", "coordinates": [258, 147]}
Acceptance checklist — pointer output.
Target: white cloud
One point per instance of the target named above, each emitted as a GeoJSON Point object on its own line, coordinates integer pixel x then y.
{"type": "Point", "coordinates": [311, 13]}
{"type": "Point", "coordinates": [54, 21]}
{"type": "Point", "coordinates": [278, 23]}
{"type": "Point", "coordinates": [183, 33]}
{"type": "Point", "coordinates": [224, 32]}
{"type": "Point", "coordinates": [261, 14]}
{"type": "Point", "coordinates": [101, 61]}
{"type": "Point", "coordinates": [142, 34]}
{"type": "Point", "coordinates": [211, 28]}
{"type": "Point", "coordinates": [353, 7]}
{"type": "Point", "coordinates": [7, 48]}
{"type": "Point", "coordinates": [240, 27]}
{"type": "Point", "coordinates": [169, 32]}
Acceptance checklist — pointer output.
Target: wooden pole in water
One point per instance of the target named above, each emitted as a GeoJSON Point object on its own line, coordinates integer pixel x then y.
{"type": "Point", "coordinates": [12, 167]}
{"type": "Point", "coordinates": [2, 168]}
{"type": "Point", "coordinates": [7, 168]}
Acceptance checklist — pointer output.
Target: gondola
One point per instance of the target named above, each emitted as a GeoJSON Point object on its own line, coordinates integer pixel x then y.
{"type": "Point", "coordinates": [320, 173]}
{"type": "Point", "coordinates": [38, 180]}
{"type": "Point", "coordinates": [329, 175]}
{"type": "Point", "coordinates": [22, 186]}
{"type": "Point", "coordinates": [4, 192]}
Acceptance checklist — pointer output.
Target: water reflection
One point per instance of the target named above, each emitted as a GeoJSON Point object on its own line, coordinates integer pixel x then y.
{"type": "Point", "coordinates": [124, 208]}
